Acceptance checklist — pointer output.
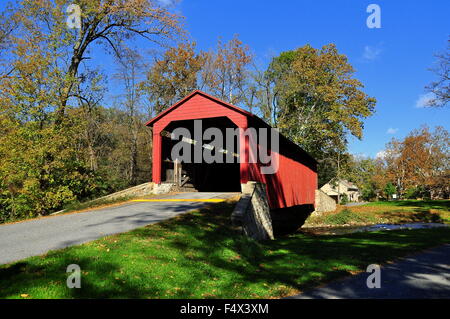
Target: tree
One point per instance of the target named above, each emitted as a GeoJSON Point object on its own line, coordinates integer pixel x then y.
{"type": "Point", "coordinates": [48, 158]}
{"type": "Point", "coordinates": [41, 169]}
{"type": "Point", "coordinates": [90, 93]}
{"type": "Point", "coordinates": [362, 171]}
{"type": "Point", "coordinates": [317, 100]}
{"type": "Point", "coordinates": [118, 157]}
{"type": "Point", "coordinates": [261, 95]}
{"type": "Point", "coordinates": [395, 165]}
{"type": "Point", "coordinates": [389, 190]}
{"type": "Point", "coordinates": [420, 159]}
{"type": "Point", "coordinates": [343, 199]}
{"type": "Point", "coordinates": [173, 76]}
{"type": "Point", "coordinates": [129, 73]}
{"type": "Point", "coordinates": [225, 73]}
{"type": "Point", "coordinates": [7, 27]}
{"type": "Point", "coordinates": [42, 33]}
{"type": "Point", "coordinates": [222, 73]}
{"type": "Point", "coordinates": [440, 89]}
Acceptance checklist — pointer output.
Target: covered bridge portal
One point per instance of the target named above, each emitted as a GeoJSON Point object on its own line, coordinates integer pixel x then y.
{"type": "Point", "coordinates": [293, 184]}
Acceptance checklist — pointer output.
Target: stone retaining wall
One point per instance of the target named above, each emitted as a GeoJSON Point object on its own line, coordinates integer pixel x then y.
{"type": "Point", "coordinates": [324, 203]}
{"type": "Point", "coordinates": [162, 188]}
{"type": "Point", "coordinates": [139, 190]}
{"type": "Point", "coordinates": [252, 213]}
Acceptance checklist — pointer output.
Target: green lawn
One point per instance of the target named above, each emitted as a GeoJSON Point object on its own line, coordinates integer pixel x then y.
{"type": "Point", "coordinates": [394, 212]}
{"type": "Point", "coordinates": [199, 255]}
{"type": "Point", "coordinates": [422, 204]}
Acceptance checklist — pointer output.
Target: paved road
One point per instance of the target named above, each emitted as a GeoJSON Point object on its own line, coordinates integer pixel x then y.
{"type": "Point", "coordinates": [424, 275]}
{"type": "Point", "coordinates": [36, 237]}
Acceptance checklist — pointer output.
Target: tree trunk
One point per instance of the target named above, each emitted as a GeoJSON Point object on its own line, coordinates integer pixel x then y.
{"type": "Point", "coordinates": [133, 158]}
{"type": "Point", "coordinates": [92, 158]}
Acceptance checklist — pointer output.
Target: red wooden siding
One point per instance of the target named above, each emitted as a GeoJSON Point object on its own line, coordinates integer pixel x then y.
{"type": "Point", "coordinates": [198, 106]}
{"type": "Point", "coordinates": [294, 183]}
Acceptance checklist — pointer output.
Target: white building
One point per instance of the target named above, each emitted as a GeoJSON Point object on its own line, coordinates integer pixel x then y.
{"type": "Point", "coordinates": [334, 187]}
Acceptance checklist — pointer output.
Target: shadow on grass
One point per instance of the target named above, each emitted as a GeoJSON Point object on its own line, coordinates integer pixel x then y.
{"type": "Point", "coordinates": [49, 280]}
{"type": "Point", "coordinates": [200, 255]}
{"type": "Point", "coordinates": [292, 262]}
{"type": "Point", "coordinates": [417, 216]}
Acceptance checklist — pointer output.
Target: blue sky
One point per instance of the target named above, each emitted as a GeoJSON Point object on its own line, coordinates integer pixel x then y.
{"type": "Point", "coordinates": [391, 61]}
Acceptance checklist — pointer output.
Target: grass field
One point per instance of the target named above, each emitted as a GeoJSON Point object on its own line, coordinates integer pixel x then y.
{"type": "Point", "coordinates": [199, 255]}
{"type": "Point", "coordinates": [393, 212]}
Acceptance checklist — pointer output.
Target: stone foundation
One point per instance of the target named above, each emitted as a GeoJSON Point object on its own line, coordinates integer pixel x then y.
{"type": "Point", "coordinates": [139, 190]}
{"type": "Point", "coordinates": [162, 188]}
{"type": "Point", "coordinates": [324, 203]}
{"type": "Point", "coordinates": [252, 212]}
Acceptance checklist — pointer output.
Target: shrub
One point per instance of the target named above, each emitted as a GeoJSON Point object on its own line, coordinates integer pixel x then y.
{"type": "Point", "coordinates": [368, 193]}
{"type": "Point", "coordinates": [389, 190]}
{"type": "Point", "coordinates": [41, 171]}
{"type": "Point", "coordinates": [344, 217]}
{"type": "Point", "coordinates": [344, 199]}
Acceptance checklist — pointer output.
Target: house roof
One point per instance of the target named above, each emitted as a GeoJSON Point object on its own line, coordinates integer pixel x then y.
{"type": "Point", "coordinates": [345, 182]}
{"type": "Point", "coordinates": [349, 184]}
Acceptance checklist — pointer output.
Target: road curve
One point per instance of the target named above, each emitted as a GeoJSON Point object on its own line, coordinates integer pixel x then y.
{"type": "Point", "coordinates": [421, 276]}
{"type": "Point", "coordinates": [36, 237]}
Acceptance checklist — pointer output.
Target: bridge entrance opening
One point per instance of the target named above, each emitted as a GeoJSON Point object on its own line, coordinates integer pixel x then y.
{"type": "Point", "coordinates": [190, 171]}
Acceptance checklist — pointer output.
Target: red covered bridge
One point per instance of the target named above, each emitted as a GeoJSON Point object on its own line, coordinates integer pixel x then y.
{"type": "Point", "coordinates": [293, 184]}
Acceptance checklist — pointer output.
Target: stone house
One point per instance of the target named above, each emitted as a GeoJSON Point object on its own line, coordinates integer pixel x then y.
{"type": "Point", "coordinates": [341, 187]}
